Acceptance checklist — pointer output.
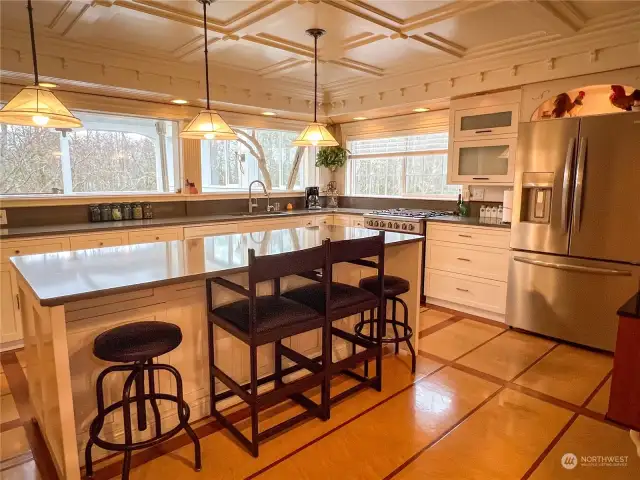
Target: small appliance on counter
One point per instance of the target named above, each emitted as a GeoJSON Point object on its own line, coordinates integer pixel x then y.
{"type": "Point", "coordinates": [312, 198]}
{"type": "Point", "coordinates": [332, 194]}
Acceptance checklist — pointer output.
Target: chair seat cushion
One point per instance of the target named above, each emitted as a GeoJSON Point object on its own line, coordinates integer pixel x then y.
{"type": "Point", "coordinates": [342, 296]}
{"type": "Point", "coordinates": [393, 286]}
{"type": "Point", "coordinates": [271, 313]}
{"type": "Point", "coordinates": [138, 341]}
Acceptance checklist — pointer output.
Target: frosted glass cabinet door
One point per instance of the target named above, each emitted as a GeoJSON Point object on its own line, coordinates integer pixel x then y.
{"type": "Point", "coordinates": [484, 121]}
{"type": "Point", "coordinates": [483, 161]}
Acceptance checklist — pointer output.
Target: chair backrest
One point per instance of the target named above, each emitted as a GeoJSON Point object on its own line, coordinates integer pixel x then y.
{"type": "Point", "coordinates": [359, 248]}
{"type": "Point", "coordinates": [270, 267]}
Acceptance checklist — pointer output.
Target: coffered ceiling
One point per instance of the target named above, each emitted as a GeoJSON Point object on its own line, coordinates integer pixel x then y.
{"type": "Point", "coordinates": [376, 52]}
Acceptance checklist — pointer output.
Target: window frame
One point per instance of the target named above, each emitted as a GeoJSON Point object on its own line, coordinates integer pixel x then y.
{"type": "Point", "coordinates": [350, 170]}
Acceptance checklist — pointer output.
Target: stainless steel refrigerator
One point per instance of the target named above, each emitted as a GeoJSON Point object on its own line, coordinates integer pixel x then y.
{"type": "Point", "coordinates": [575, 234]}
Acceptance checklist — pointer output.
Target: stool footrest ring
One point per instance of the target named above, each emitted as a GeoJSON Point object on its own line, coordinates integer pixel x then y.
{"type": "Point", "coordinates": [408, 332]}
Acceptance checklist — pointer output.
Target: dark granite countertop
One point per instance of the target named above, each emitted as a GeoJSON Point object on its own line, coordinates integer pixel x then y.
{"type": "Point", "coordinates": [469, 221]}
{"type": "Point", "coordinates": [74, 228]}
{"type": "Point", "coordinates": [63, 277]}
{"type": "Point", "coordinates": [631, 308]}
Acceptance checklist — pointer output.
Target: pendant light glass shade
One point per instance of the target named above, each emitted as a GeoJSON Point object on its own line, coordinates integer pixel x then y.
{"type": "Point", "coordinates": [208, 125]}
{"type": "Point", "coordinates": [317, 135]}
{"type": "Point", "coordinates": [38, 107]}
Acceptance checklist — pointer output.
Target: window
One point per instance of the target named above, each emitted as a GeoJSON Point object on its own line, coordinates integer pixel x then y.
{"type": "Point", "coordinates": [409, 165]}
{"type": "Point", "coordinates": [258, 154]}
{"type": "Point", "coordinates": [110, 154]}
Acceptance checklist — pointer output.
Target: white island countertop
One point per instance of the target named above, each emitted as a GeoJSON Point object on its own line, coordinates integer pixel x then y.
{"type": "Point", "coordinates": [63, 277]}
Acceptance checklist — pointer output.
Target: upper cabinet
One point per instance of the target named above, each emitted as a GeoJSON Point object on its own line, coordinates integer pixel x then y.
{"type": "Point", "coordinates": [483, 132]}
{"type": "Point", "coordinates": [483, 121]}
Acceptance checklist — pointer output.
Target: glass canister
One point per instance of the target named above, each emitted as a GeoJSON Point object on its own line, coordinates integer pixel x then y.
{"type": "Point", "coordinates": [332, 200]}
{"type": "Point", "coordinates": [94, 213]}
{"type": "Point", "coordinates": [116, 212]}
{"type": "Point", "coordinates": [105, 212]}
{"type": "Point", "coordinates": [127, 211]}
{"type": "Point", "coordinates": [137, 211]}
{"type": "Point", "coordinates": [147, 211]}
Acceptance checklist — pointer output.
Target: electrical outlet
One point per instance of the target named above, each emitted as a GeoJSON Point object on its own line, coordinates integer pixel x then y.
{"type": "Point", "coordinates": [477, 194]}
{"type": "Point", "coordinates": [3, 217]}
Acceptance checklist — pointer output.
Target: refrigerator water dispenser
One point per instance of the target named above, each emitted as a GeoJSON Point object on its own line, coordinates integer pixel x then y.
{"type": "Point", "coordinates": [537, 189]}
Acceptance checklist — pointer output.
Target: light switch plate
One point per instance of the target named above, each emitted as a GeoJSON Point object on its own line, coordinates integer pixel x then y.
{"type": "Point", "coordinates": [477, 194]}
{"type": "Point", "coordinates": [466, 194]}
{"type": "Point", "coordinates": [3, 217]}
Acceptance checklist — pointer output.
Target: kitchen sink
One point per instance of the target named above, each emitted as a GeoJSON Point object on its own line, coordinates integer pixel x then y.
{"type": "Point", "coordinates": [257, 214]}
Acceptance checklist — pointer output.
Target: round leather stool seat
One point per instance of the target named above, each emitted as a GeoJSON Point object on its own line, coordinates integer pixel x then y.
{"type": "Point", "coordinates": [137, 342]}
{"type": "Point", "coordinates": [393, 286]}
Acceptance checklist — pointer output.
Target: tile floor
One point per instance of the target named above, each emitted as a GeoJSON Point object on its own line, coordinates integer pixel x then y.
{"type": "Point", "coordinates": [486, 403]}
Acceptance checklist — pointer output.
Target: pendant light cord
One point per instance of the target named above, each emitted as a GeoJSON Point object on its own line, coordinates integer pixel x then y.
{"type": "Point", "coordinates": [315, 79]}
{"type": "Point", "coordinates": [206, 51]}
{"type": "Point", "coordinates": [33, 42]}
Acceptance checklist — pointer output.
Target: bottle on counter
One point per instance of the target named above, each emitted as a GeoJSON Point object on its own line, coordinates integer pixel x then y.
{"type": "Point", "coordinates": [137, 211]}
{"type": "Point", "coordinates": [147, 211]}
{"type": "Point", "coordinates": [500, 214]}
{"type": "Point", "coordinates": [116, 212]}
{"type": "Point", "coordinates": [94, 213]}
{"type": "Point", "coordinates": [105, 212]}
{"type": "Point", "coordinates": [463, 209]}
{"type": "Point", "coordinates": [494, 215]}
{"type": "Point", "coordinates": [483, 214]}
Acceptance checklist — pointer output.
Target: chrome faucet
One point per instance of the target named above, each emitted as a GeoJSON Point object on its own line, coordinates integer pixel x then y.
{"type": "Point", "coordinates": [253, 202]}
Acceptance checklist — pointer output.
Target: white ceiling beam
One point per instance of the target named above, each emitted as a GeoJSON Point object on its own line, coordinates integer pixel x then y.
{"type": "Point", "coordinates": [422, 39]}
{"type": "Point", "coordinates": [561, 18]}
{"type": "Point", "coordinates": [280, 68]}
{"type": "Point", "coordinates": [418, 22]}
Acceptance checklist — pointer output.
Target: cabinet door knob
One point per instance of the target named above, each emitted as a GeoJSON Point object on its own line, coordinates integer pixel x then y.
{"type": "Point", "coordinates": [17, 252]}
{"type": "Point", "coordinates": [157, 238]}
{"type": "Point", "coordinates": [101, 244]}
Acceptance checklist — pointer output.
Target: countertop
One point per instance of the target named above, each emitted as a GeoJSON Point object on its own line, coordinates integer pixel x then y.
{"type": "Point", "coordinates": [79, 228]}
{"type": "Point", "coordinates": [44, 230]}
{"type": "Point", "coordinates": [631, 308]}
{"type": "Point", "coordinates": [470, 221]}
{"type": "Point", "coordinates": [62, 277]}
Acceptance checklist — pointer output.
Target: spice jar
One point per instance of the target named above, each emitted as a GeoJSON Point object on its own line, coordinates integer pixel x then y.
{"type": "Point", "coordinates": [127, 212]}
{"type": "Point", "coordinates": [147, 212]}
{"type": "Point", "coordinates": [137, 211]}
{"type": "Point", "coordinates": [116, 212]}
{"type": "Point", "coordinates": [94, 213]}
{"type": "Point", "coordinates": [105, 212]}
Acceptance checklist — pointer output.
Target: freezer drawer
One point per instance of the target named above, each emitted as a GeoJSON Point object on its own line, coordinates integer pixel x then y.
{"type": "Point", "coordinates": [566, 298]}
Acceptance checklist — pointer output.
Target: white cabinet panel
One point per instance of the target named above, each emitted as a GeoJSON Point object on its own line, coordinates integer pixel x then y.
{"type": "Point", "coordinates": [155, 235]}
{"type": "Point", "coordinates": [484, 262]}
{"type": "Point", "coordinates": [207, 230]}
{"type": "Point", "coordinates": [99, 240]}
{"type": "Point", "coordinates": [483, 121]}
{"type": "Point", "coordinates": [489, 161]}
{"type": "Point", "coordinates": [10, 324]}
{"type": "Point", "coordinates": [474, 292]}
{"type": "Point", "coordinates": [14, 248]}
{"type": "Point", "coordinates": [482, 236]}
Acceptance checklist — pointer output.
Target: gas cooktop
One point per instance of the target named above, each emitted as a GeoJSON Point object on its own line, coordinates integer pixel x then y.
{"type": "Point", "coordinates": [408, 213]}
{"type": "Point", "coordinates": [401, 219]}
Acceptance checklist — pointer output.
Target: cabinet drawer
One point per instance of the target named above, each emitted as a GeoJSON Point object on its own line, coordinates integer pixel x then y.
{"type": "Point", "coordinates": [156, 235]}
{"type": "Point", "coordinates": [483, 121]}
{"type": "Point", "coordinates": [342, 220]}
{"type": "Point", "coordinates": [357, 221]}
{"type": "Point", "coordinates": [207, 230]}
{"type": "Point", "coordinates": [31, 247]}
{"type": "Point", "coordinates": [83, 242]}
{"type": "Point", "coordinates": [325, 220]}
{"type": "Point", "coordinates": [482, 236]}
{"type": "Point", "coordinates": [470, 291]}
{"type": "Point", "coordinates": [265, 226]}
{"type": "Point", "coordinates": [481, 262]}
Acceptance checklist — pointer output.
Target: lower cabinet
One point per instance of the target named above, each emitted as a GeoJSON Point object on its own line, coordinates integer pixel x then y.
{"type": "Point", "coordinates": [99, 240]}
{"type": "Point", "coordinates": [155, 235]}
{"type": "Point", "coordinates": [467, 268]}
{"type": "Point", "coordinates": [10, 324]}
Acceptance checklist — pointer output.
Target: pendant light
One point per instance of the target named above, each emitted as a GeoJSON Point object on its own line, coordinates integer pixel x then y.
{"type": "Point", "coordinates": [315, 134]}
{"type": "Point", "coordinates": [35, 105]}
{"type": "Point", "coordinates": [208, 125]}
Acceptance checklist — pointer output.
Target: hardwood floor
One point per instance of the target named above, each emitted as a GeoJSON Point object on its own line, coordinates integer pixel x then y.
{"type": "Point", "coordinates": [486, 403]}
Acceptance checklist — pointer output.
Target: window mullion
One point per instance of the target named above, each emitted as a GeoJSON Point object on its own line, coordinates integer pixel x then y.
{"type": "Point", "coordinates": [65, 160]}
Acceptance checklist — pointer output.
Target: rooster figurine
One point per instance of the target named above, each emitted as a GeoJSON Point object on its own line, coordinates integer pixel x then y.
{"type": "Point", "coordinates": [563, 105]}
{"type": "Point", "coordinates": [620, 99]}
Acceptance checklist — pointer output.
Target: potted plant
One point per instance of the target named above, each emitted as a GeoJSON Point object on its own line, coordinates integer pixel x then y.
{"type": "Point", "coordinates": [332, 157]}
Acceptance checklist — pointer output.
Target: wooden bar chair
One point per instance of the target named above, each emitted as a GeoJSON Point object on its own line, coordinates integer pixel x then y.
{"type": "Point", "coordinates": [260, 320]}
{"type": "Point", "coordinates": [346, 300]}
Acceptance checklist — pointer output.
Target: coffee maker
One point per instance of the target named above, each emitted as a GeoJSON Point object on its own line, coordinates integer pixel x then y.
{"type": "Point", "coordinates": [312, 198]}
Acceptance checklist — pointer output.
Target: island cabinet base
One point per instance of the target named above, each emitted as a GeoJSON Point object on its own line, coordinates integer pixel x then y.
{"type": "Point", "coordinates": [62, 370]}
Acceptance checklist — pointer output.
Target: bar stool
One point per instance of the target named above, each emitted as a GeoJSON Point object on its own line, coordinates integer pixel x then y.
{"type": "Point", "coordinates": [136, 344]}
{"type": "Point", "coordinates": [393, 287]}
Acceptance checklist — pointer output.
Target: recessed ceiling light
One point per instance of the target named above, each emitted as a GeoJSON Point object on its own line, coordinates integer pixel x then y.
{"type": "Point", "coordinates": [47, 84]}
{"type": "Point", "coordinates": [359, 118]}
{"type": "Point", "coordinates": [179, 101]}
{"type": "Point", "coordinates": [269, 114]}
{"type": "Point", "coordinates": [420, 110]}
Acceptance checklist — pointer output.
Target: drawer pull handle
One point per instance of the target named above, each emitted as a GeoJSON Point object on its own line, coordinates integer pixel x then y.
{"type": "Point", "coordinates": [101, 244]}
{"type": "Point", "coordinates": [464, 236]}
{"type": "Point", "coordinates": [157, 238]}
{"type": "Point", "coordinates": [462, 289]}
{"type": "Point", "coordinates": [488, 130]}
{"type": "Point", "coordinates": [462, 259]}
{"type": "Point", "coordinates": [481, 178]}
{"type": "Point", "coordinates": [17, 252]}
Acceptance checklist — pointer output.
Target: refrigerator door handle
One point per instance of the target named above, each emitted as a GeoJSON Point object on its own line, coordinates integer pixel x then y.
{"type": "Point", "coordinates": [566, 185]}
{"type": "Point", "coordinates": [577, 198]}
{"type": "Point", "coordinates": [574, 268]}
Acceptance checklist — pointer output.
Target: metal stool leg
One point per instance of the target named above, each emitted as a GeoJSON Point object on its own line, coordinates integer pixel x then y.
{"type": "Point", "coordinates": [277, 350]}
{"type": "Point", "coordinates": [371, 317]}
{"type": "Point", "coordinates": [152, 400]}
{"type": "Point", "coordinates": [126, 412]}
{"type": "Point", "coordinates": [140, 407]}
{"type": "Point", "coordinates": [212, 377]}
{"type": "Point", "coordinates": [253, 354]}
{"type": "Point", "coordinates": [406, 330]}
{"type": "Point", "coordinates": [395, 328]}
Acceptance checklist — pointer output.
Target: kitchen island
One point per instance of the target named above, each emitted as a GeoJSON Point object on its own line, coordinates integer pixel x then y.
{"type": "Point", "coordinates": [68, 298]}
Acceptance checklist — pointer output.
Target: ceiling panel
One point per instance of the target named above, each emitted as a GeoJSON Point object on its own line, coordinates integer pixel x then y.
{"type": "Point", "coordinates": [14, 14]}
{"type": "Point", "coordinates": [224, 10]}
{"type": "Point", "coordinates": [398, 54]}
{"type": "Point", "coordinates": [593, 9]}
{"type": "Point", "coordinates": [406, 9]}
{"type": "Point", "coordinates": [327, 73]}
{"type": "Point", "coordinates": [243, 54]}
